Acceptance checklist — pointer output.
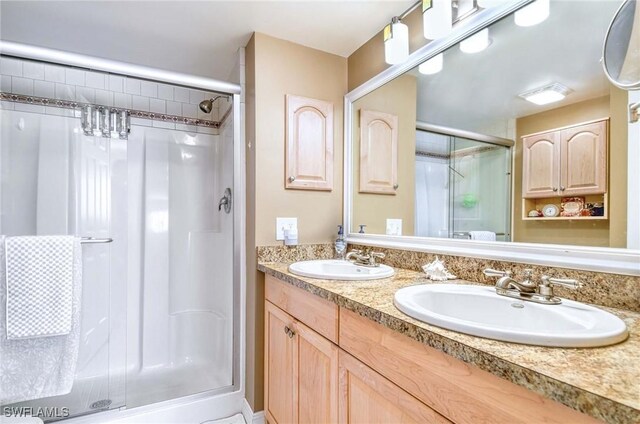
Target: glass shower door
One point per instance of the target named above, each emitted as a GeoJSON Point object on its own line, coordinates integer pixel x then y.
{"type": "Point", "coordinates": [181, 292]}
{"type": "Point", "coordinates": [479, 189]}
{"type": "Point", "coordinates": [54, 180]}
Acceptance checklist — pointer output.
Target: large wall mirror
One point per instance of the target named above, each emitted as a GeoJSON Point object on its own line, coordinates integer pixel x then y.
{"type": "Point", "coordinates": [514, 134]}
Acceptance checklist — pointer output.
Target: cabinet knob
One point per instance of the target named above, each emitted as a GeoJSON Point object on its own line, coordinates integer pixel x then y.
{"type": "Point", "coordinates": [289, 332]}
{"type": "Point", "coordinates": [562, 188]}
{"type": "Point", "coordinates": [395, 186]}
{"type": "Point", "coordinates": [555, 189]}
{"type": "Point", "coordinates": [292, 179]}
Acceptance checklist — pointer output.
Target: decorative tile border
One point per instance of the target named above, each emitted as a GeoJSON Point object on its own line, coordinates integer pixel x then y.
{"type": "Point", "coordinates": [68, 104]}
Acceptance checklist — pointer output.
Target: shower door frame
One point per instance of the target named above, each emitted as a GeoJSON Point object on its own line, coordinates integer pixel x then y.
{"type": "Point", "coordinates": [227, 402]}
{"type": "Point", "coordinates": [481, 138]}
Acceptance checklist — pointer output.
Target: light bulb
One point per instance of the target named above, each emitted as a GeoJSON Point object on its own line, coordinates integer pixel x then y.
{"type": "Point", "coordinates": [396, 45]}
{"type": "Point", "coordinates": [432, 66]}
{"type": "Point", "coordinates": [476, 43]}
{"type": "Point", "coordinates": [532, 14]}
{"type": "Point", "coordinates": [438, 20]}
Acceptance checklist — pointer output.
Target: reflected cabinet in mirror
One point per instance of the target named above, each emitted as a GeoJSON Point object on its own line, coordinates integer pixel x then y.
{"type": "Point", "coordinates": [515, 134]}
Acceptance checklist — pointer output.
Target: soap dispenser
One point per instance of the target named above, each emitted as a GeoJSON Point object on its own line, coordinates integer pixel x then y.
{"type": "Point", "coordinates": [340, 244]}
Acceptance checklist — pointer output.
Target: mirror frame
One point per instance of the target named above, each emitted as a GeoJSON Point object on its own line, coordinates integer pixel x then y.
{"type": "Point", "coordinates": [628, 87]}
{"type": "Point", "coordinates": [600, 259]}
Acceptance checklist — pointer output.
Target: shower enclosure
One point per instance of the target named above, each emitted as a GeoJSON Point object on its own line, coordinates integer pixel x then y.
{"type": "Point", "coordinates": [463, 184]}
{"type": "Point", "coordinates": [160, 311]}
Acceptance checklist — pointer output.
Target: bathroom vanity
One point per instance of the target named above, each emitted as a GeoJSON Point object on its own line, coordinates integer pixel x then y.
{"type": "Point", "coordinates": [339, 351]}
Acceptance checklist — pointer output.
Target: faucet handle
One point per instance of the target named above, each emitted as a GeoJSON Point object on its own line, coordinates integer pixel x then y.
{"type": "Point", "coordinates": [495, 273]}
{"type": "Point", "coordinates": [564, 282]}
{"type": "Point", "coordinates": [377, 255]}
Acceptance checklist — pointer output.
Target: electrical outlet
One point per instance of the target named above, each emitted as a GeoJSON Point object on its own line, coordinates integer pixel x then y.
{"type": "Point", "coordinates": [394, 227]}
{"type": "Point", "coordinates": [282, 223]}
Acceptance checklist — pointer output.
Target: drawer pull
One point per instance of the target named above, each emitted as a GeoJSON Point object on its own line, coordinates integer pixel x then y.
{"type": "Point", "coordinates": [289, 332]}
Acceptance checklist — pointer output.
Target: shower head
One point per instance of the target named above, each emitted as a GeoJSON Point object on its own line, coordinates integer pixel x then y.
{"type": "Point", "coordinates": [207, 105]}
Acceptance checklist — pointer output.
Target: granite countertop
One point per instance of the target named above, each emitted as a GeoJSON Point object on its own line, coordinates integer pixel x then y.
{"type": "Point", "coordinates": [602, 382]}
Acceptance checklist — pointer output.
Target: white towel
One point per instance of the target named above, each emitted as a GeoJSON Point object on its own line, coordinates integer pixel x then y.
{"type": "Point", "coordinates": [39, 285]}
{"type": "Point", "coordinates": [482, 235]}
{"type": "Point", "coordinates": [39, 367]}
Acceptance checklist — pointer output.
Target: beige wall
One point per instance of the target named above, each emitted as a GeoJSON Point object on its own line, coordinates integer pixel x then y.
{"type": "Point", "coordinates": [276, 68]}
{"type": "Point", "coordinates": [587, 233]}
{"type": "Point", "coordinates": [368, 61]}
{"type": "Point", "coordinates": [255, 288]}
{"type": "Point", "coordinates": [287, 68]}
{"type": "Point", "coordinates": [618, 146]}
{"type": "Point", "coordinates": [398, 97]}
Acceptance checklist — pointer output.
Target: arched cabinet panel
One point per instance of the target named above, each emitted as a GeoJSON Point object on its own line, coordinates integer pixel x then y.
{"type": "Point", "coordinates": [584, 159]}
{"type": "Point", "coordinates": [570, 161]}
{"type": "Point", "coordinates": [378, 152]}
{"type": "Point", "coordinates": [309, 144]}
{"type": "Point", "coordinates": [540, 165]}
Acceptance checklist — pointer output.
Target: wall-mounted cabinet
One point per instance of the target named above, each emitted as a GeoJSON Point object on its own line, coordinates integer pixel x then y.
{"type": "Point", "coordinates": [569, 161]}
{"type": "Point", "coordinates": [309, 144]}
{"type": "Point", "coordinates": [378, 152]}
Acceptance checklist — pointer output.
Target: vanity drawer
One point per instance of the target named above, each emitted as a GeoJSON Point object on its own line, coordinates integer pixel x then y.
{"type": "Point", "coordinates": [457, 390]}
{"type": "Point", "coordinates": [317, 313]}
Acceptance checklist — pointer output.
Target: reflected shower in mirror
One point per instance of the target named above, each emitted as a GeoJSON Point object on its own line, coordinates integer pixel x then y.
{"type": "Point", "coordinates": [515, 134]}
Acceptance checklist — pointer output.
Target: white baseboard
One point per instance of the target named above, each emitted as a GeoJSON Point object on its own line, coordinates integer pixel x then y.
{"type": "Point", "coordinates": [252, 417]}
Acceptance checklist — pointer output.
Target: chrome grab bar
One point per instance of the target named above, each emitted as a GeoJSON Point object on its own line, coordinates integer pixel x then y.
{"type": "Point", "coordinates": [94, 240]}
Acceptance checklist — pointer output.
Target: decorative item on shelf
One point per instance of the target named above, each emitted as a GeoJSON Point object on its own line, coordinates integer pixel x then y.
{"type": "Point", "coordinates": [587, 209]}
{"type": "Point", "coordinates": [550, 210]}
{"type": "Point", "coordinates": [436, 271]}
{"type": "Point", "coordinates": [597, 209]}
{"type": "Point", "coordinates": [535, 213]}
{"type": "Point", "coordinates": [571, 206]}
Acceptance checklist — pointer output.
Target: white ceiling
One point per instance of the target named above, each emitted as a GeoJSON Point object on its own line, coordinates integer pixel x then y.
{"type": "Point", "coordinates": [195, 37]}
{"type": "Point", "coordinates": [476, 90]}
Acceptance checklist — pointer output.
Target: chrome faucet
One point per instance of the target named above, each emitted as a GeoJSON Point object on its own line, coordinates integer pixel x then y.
{"type": "Point", "coordinates": [364, 259]}
{"type": "Point", "coordinates": [528, 289]}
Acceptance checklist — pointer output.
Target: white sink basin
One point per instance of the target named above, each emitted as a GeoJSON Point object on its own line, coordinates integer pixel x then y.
{"type": "Point", "coordinates": [333, 269]}
{"type": "Point", "coordinates": [479, 311]}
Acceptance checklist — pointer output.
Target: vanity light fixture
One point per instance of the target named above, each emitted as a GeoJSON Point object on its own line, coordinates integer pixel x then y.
{"type": "Point", "coordinates": [547, 94]}
{"type": "Point", "coordinates": [476, 43]}
{"type": "Point", "coordinates": [431, 66]}
{"type": "Point", "coordinates": [532, 14]}
{"type": "Point", "coordinates": [437, 18]}
{"type": "Point", "coordinates": [396, 42]}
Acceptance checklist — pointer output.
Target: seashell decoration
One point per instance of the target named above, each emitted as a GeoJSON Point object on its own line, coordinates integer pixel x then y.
{"type": "Point", "coordinates": [436, 271]}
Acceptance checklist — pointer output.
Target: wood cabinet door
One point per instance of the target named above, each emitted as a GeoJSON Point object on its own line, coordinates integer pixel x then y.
{"type": "Point", "coordinates": [317, 376]}
{"type": "Point", "coordinates": [378, 152]}
{"type": "Point", "coordinates": [368, 398]}
{"type": "Point", "coordinates": [540, 165]}
{"type": "Point", "coordinates": [309, 145]}
{"type": "Point", "coordinates": [280, 367]}
{"type": "Point", "coordinates": [584, 159]}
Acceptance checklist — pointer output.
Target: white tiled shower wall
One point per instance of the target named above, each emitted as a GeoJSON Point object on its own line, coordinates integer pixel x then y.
{"type": "Point", "coordinates": [30, 78]}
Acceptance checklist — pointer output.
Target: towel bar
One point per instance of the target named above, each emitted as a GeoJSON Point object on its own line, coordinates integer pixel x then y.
{"type": "Point", "coordinates": [87, 240]}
